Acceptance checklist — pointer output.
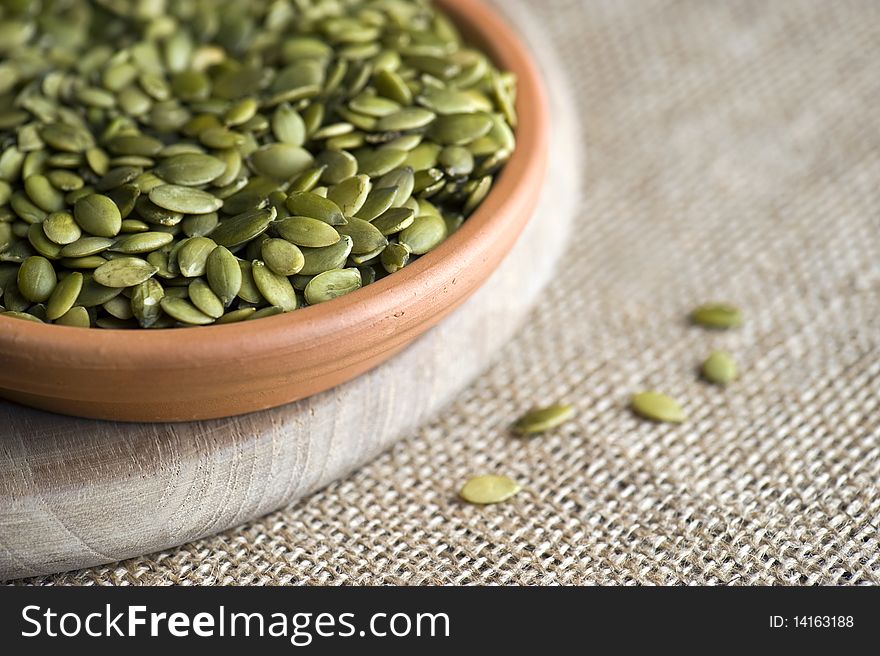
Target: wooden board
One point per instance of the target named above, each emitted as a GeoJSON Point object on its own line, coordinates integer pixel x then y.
{"type": "Point", "coordinates": [76, 493]}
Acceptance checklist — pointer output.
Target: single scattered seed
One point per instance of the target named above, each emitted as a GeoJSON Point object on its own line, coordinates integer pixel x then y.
{"type": "Point", "coordinates": [544, 419]}
{"type": "Point", "coordinates": [719, 316]}
{"type": "Point", "coordinates": [332, 284]}
{"type": "Point", "coordinates": [657, 407]}
{"type": "Point", "coordinates": [488, 489]}
{"type": "Point", "coordinates": [719, 368]}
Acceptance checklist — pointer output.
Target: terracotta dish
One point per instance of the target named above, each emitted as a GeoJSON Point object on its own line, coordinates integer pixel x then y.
{"type": "Point", "coordinates": [218, 371]}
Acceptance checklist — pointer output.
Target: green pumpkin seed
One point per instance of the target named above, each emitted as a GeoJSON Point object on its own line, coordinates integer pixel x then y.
{"type": "Point", "coordinates": [64, 296]}
{"type": "Point", "coordinates": [236, 315]}
{"type": "Point", "coordinates": [41, 243]}
{"type": "Point", "coordinates": [282, 256]}
{"type": "Point", "coordinates": [119, 308]}
{"type": "Point", "coordinates": [376, 163]}
{"type": "Point", "coordinates": [86, 246]}
{"type": "Point", "coordinates": [205, 299]}
{"type": "Point", "coordinates": [377, 203]}
{"type": "Point", "coordinates": [134, 144]}
{"type": "Point", "coordinates": [224, 274]}
{"type": "Point", "coordinates": [192, 257]}
{"type": "Point", "coordinates": [130, 226]}
{"type": "Point", "coordinates": [184, 199]}
{"type": "Point", "coordinates": [36, 279]}
{"type": "Point", "coordinates": [144, 242]}
{"type": "Point", "coordinates": [124, 272]}
{"type": "Point", "coordinates": [305, 231]}
{"type": "Point", "coordinates": [65, 180]}
{"type": "Point", "coordinates": [394, 257]}
{"type": "Point", "coordinates": [314, 206]}
{"type": "Point", "coordinates": [541, 420]}
{"type": "Point", "coordinates": [426, 233]}
{"type": "Point", "coordinates": [12, 314]}
{"type": "Point", "coordinates": [719, 368]}
{"type": "Point", "coordinates": [146, 299]}
{"type": "Point", "coordinates": [200, 225]}
{"type": "Point", "coordinates": [366, 238]}
{"type": "Point", "coordinates": [87, 262]}
{"type": "Point", "coordinates": [184, 311]}
{"type": "Point", "coordinates": [67, 137]}
{"type": "Point", "coordinates": [351, 194]}
{"type": "Point", "coordinates": [394, 220]}
{"type": "Point", "coordinates": [411, 118]}
{"type": "Point", "coordinates": [274, 288]}
{"type": "Point", "coordinates": [98, 215]}
{"type": "Point", "coordinates": [448, 101]}
{"type": "Point", "coordinates": [332, 284]}
{"type": "Point", "coordinates": [657, 407]}
{"type": "Point", "coordinates": [338, 165]}
{"type": "Point", "coordinates": [43, 194]}
{"type": "Point", "coordinates": [280, 161]}
{"type": "Point", "coordinates": [248, 291]}
{"type": "Point", "coordinates": [488, 489]}
{"type": "Point", "coordinates": [190, 169]}
{"type": "Point", "coordinates": [719, 316]}
{"type": "Point", "coordinates": [25, 209]}
{"type": "Point", "coordinates": [244, 227]}
{"type": "Point", "coordinates": [318, 260]}
{"type": "Point", "coordinates": [403, 179]}
{"type": "Point", "coordinates": [262, 313]}
{"type": "Point", "coordinates": [93, 293]}
{"type": "Point", "coordinates": [288, 126]}
{"type": "Point", "coordinates": [75, 317]}
{"type": "Point", "coordinates": [460, 129]}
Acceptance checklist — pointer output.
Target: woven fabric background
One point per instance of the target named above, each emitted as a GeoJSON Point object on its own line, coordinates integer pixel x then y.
{"type": "Point", "coordinates": [731, 153]}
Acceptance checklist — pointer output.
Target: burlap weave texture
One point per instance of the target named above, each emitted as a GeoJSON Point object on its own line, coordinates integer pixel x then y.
{"type": "Point", "coordinates": [732, 153]}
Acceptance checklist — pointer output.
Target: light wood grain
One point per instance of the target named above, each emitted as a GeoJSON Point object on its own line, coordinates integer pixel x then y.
{"type": "Point", "coordinates": [76, 493]}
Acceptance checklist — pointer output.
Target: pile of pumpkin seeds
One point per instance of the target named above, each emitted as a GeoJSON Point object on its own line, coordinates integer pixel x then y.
{"type": "Point", "coordinates": [188, 162]}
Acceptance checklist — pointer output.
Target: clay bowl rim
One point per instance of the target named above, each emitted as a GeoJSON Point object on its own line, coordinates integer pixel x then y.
{"type": "Point", "coordinates": [158, 349]}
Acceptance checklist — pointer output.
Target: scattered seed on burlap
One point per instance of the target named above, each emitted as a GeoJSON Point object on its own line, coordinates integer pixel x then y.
{"type": "Point", "coordinates": [541, 420]}
{"type": "Point", "coordinates": [656, 406]}
{"type": "Point", "coordinates": [488, 489]}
